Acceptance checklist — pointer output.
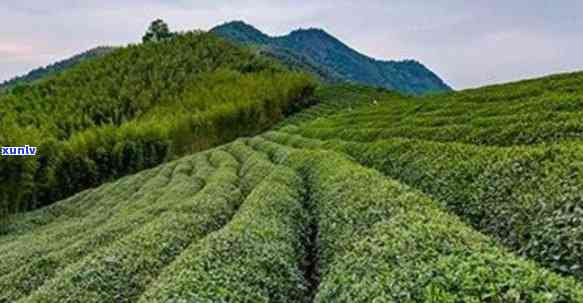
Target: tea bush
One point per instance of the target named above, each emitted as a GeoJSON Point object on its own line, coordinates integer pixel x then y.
{"type": "Point", "coordinates": [381, 241]}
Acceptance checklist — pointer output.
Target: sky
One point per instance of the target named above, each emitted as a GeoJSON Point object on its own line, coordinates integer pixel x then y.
{"type": "Point", "coordinates": [467, 43]}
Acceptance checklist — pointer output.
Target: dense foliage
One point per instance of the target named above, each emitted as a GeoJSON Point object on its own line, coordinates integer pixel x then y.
{"type": "Point", "coordinates": [504, 158]}
{"type": "Point", "coordinates": [135, 108]}
{"type": "Point", "coordinates": [525, 113]}
{"type": "Point", "coordinates": [157, 31]}
{"type": "Point", "coordinates": [255, 221]}
{"type": "Point", "coordinates": [325, 56]}
{"type": "Point", "coordinates": [381, 241]}
{"type": "Point", "coordinates": [21, 82]}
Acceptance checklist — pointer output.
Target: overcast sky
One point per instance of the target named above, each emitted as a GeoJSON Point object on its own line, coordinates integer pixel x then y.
{"type": "Point", "coordinates": [467, 43]}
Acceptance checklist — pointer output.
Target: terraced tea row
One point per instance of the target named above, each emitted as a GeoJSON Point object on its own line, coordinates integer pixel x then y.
{"type": "Point", "coordinates": [151, 226]}
{"type": "Point", "coordinates": [498, 116]}
{"type": "Point", "coordinates": [121, 271]}
{"type": "Point", "coordinates": [527, 196]}
{"type": "Point", "coordinates": [257, 257]}
{"type": "Point", "coordinates": [380, 241]}
{"type": "Point", "coordinates": [258, 221]}
{"type": "Point", "coordinates": [173, 212]}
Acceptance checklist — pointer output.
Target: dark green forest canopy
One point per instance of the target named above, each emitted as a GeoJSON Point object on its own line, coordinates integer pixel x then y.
{"type": "Point", "coordinates": [333, 61]}
{"type": "Point", "coordinates": [125, 84]}
{"type": "Point", "coordinates": [136, 107]}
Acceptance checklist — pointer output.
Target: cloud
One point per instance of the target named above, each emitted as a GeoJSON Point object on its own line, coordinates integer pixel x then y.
{"type": "Point", "coordinates": [469, 43]}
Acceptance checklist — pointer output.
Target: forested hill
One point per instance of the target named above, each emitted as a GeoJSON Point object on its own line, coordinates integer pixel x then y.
{"type": "Point", "coordinates": [55, 68]}
{"type": "Point", "coordinates": [334, 61]}
{"type": "Point", "coordinates": [134, 108]}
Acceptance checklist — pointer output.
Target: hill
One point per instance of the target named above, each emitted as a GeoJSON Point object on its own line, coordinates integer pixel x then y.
{"type": "Point", "coordinates": [334, 61]}
{"type": "Point", "coordinates": [367, 196]}
{"type": "Point", "coordinates": [134, 108]}
{"type": "Point", "coordinates": [505, 158]}
{"type": "Point", "coordinates": [55, 68]}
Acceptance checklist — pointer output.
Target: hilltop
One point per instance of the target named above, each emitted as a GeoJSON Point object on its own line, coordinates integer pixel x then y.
{"type": "Point", "coordinates": [334, 61]}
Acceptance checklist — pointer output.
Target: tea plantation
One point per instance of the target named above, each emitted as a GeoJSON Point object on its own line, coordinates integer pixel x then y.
{"type": "Point", "coordinates": [369, 196]}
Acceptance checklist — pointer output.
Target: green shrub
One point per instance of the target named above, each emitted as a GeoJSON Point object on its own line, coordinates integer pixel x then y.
{"type": "Point", "coordinates": [141, 208]}
{"type": "Point", "coordinates": [526, 195]}
{"type": "Point", "coordinates": [257, 257]}
{"type": "Point", "coordinates": [504, 115]}
{"type": "Point", "coordinates": [121, 271]}
{"type": "Point", "coordinates": [382, 241]}
{"type": "Point", "coordinates": [101, 205]}
{"type": "Point", "coordinates": [535, 190]}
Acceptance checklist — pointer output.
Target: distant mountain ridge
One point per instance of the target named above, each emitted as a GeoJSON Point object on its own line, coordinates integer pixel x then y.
{"type": "Point", "coordinates": [312, 50]}
{"type": "Point", "coordinates": [334, 61]}
{"type": "Point", "coordinates": [57, 67]}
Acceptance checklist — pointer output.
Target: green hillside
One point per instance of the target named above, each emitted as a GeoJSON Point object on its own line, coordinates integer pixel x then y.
{"type": "Point", "coordinates": [55, 68]}
{"type": "Point", "coordinates": [333, 61]}
{"type": "Point", "coordinates": [506, 158]}
{"type": "Point", "coordinates": [134, 108]}
{"type": "Point", "coordinates": [368, 196]}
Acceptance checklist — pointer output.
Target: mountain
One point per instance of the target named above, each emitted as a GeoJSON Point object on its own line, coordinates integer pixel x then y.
{"type": "Point", "coordinates": [311, 50]}
{"type": "Point", "coordinates": [56, 68]}
{"type": "Point", "coordinates": [402, 199]}
{"type": "Point", "coordinates": [334, 61]}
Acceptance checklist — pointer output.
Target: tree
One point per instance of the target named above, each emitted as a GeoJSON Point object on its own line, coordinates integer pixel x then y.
{"type": "Point", "coordinates": [157, 31]}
